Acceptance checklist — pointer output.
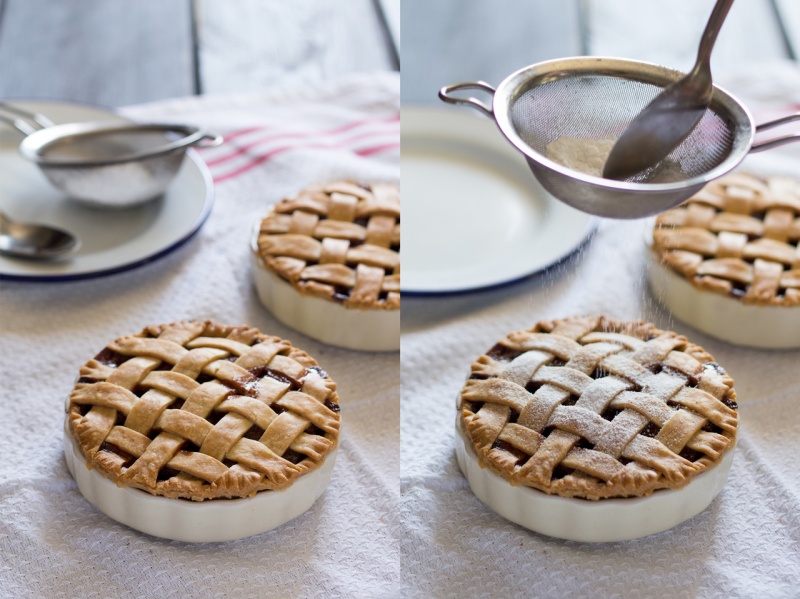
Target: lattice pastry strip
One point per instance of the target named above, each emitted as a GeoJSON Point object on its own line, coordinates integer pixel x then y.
{"type": "Point", "coordinates": [200, 411]}
{"type": "Point", "coordinates": [739, 237]}
{"type": "Point", "coordinates": [594, 408]}
{"type": "Point", "coordinates": [339, 241]}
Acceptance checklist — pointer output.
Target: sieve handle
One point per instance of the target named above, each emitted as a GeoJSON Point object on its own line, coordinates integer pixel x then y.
{"type": "Point", "coordinates": [208, 140]}
{"type": "Point", "coordinates": [23, 121]}
{"type": "Point", "coordinates": [445, 94]}
{"type": "Point", "coordinates": [774, 143]}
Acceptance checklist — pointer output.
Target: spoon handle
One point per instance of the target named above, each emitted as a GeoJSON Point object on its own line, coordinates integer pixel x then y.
{"type": "Point", "coordinates": [713, 26]}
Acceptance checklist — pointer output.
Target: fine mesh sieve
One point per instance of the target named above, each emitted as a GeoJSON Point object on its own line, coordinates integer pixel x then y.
{"type": "Point", "coordinates": [592, 98]}
{"type": "Point", "coordinates": [106, 164]}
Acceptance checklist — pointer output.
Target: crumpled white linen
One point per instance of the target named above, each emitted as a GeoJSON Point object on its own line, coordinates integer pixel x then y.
{"type": "Point", "coordinates": [53, 543]}
{"type": "Point", "coordinates": [746, 544]}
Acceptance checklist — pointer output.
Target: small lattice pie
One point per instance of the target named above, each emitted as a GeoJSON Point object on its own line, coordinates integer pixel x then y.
{"type": "Point", "coordinates": [739, 237]}
{"type": "Point", "coordinates": [197, 410]}
{"type": "Point", "coordinates": [595, 408]}
{"type": "Point", "coordinates": [339, 241]}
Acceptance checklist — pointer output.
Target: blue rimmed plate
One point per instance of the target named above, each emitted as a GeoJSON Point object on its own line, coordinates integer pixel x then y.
{"type": "Point", "coordinates": [112, 240]}
{"type": "Point", "coordinates": [473, 215]}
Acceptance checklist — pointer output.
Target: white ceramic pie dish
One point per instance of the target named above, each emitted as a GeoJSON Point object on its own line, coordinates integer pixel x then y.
{"type": "Point", "coordinates": [600, 521]}
{"type": "Point", "coordinates": [196, 522]}
{"type": "Point", "coordinates": [726, 318]}
{"type": "Point", "coordinates": [324, 320]}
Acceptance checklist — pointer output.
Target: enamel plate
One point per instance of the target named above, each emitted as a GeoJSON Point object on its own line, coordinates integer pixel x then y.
{"type": "Point", "coordinates": [112, 240]}
{"type": "Point", "coordinates": [473, 214]}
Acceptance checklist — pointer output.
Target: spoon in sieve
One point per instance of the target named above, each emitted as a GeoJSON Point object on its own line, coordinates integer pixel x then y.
{"type": "Point", "coordinates": [33, 241]}
{"type": "Point", "coordinates": [672, 115]}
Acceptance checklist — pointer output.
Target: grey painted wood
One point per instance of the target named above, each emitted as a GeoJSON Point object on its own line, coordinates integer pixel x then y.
{"type": "Point", "coordinates": [251, 45]}
{"type": "Point", "coordinates": [117, 52]}
{"type": "Point", "coordinates": [449, 41]}
{"type": "Point", "coordinates": [789, 13]}
{"type": "Point", "coordinates": [391, 16]}
{"type": "Point", "coordinates": [107, 52]}
{"type": "Point", "coordinates": [668, 32]}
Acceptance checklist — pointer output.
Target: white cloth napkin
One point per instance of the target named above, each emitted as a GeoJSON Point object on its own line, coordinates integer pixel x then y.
{"type": "Point", "coordinates": [746, 544]}
{"type": "Point", "coordinates": [53, 543]}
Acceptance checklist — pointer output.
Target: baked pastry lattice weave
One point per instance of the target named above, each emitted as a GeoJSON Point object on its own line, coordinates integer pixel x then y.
{"type": "Point", "coordinates": [595, 408]}
{"type": "Point", "coordinates": [339, 241]}
{"type": "Point", "coordinates": [739, 237]}
{"type": "Point", "coordinates": [198, 410]}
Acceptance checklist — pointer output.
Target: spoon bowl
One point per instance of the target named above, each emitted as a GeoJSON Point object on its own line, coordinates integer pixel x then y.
{"type": "Point", "coordinates": [34, 241]}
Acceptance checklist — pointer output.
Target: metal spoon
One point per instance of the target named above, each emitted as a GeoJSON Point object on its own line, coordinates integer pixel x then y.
{"type": "Point", "coordinates": [672, 115]}
{"type": "Point", "coordinates": [38, 242]}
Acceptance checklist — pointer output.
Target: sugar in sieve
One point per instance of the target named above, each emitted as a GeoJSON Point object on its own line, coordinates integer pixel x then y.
{"type": "Point", "coordinates": [596, 98]}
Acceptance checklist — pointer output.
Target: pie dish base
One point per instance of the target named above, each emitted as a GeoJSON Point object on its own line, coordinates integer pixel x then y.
{"type": "Point", "coordinates": [726, 318]}
{"type": "Point", "coordinates": [324, 320]}
{"type": "Point", "coordinates": [589, 521]}
{"type": "Point", "coordinates": [196, 522]}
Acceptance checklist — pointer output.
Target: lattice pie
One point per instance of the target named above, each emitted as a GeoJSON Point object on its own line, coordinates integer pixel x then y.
{"type": "Point", "coordinates": [198, 410]}
{"type": "Point", "coordinates": [594, 408]}
{"type": "Point", "coordinates": [728, 261]}
{"type": "Point", "coordinates": [339, 241]}
{"type": "Point", "coordinates": [739, 237]}
{"type": "Point", "coordinates": [328, 263]}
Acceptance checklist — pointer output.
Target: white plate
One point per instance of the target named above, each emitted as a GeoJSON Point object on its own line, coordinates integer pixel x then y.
{"type": "Point", "coordinates": [112, 240]}
{"type": "Point", "coordinates": [473, 214]}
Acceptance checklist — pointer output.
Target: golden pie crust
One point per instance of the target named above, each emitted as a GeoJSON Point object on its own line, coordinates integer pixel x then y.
{"type": "Point", "coordinates": [738, 237]}
{"type": "Point", "coordinates": [594, 408]}
{"type": "Point", "coordinates": [339, 241]}
{"type": "Point", "coordinates": [199, 410]}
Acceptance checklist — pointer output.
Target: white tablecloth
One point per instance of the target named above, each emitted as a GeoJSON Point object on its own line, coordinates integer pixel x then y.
{"type": "Point", "coordinates": [53, 543]}
{"type": "Point", "coordinates": [746, 544]}
{"type": "Point", "coordinates": [360, 539]}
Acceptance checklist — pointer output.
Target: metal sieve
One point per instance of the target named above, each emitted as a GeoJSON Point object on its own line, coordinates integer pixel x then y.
{"type": "Point", "coordinates": [107, 164]}
{"type": "Point", "coordinates": [595, 98]}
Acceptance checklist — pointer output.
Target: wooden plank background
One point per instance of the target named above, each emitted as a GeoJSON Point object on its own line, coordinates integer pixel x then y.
{"type": "Point", "coordinates": [449, 41]}
{"type": "Point", "coordinates": [668, 32]}
{"type": "Point", "coordinates": [117, 52]}
{"type": "Point", "coordinates": [103, 52]}
{"type": "Point", "coordinates": [261, 43]}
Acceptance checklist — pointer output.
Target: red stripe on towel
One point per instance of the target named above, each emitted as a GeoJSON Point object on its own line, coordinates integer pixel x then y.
{"type": "Point", "coordinates": [291, 135]}
{"type": "Point", "coordinates": [264, 157]}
